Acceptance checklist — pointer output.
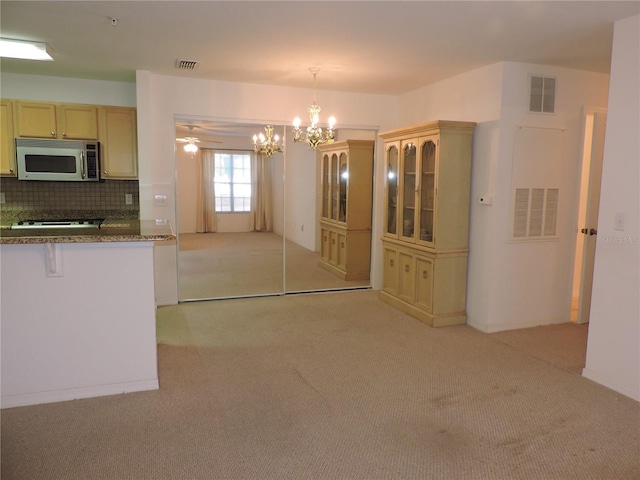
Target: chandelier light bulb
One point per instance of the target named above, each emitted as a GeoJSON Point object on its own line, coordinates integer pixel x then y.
{"type": "Point", "coordinates": [267, 144]}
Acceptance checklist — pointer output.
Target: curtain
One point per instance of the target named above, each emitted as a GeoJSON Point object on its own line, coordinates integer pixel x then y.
{"type": "Point", "coordinates": [206, 196]}
{"type": "Point", "coordinates": [261, 209]}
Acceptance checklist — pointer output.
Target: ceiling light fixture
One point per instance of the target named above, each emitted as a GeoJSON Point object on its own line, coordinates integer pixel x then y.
{"type": "Point", "coordinates": [314, 134]}
{"type": "Point", "coordinates": [191, 147]}
{"type": "Point", "coordinates": [267, 144]}
{"type": "Point", "coordinates": [24, 49]}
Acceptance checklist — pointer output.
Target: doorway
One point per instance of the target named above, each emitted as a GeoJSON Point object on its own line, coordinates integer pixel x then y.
{"type": "Point", "coordinates": [586, 233]}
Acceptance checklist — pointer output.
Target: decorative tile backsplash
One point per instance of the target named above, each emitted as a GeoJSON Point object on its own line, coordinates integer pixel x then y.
{"type": "Point", "coordinates": [21, 197]}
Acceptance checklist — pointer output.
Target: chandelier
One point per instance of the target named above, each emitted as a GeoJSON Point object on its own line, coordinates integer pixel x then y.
{"type": "Point", "coordinates": [314, 135]}
{"type": "Point", "coordinates": [267, 144]}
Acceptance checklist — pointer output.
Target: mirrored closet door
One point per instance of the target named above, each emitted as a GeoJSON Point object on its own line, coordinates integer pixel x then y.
{"type": "Point", "coordinates": [248, 225]}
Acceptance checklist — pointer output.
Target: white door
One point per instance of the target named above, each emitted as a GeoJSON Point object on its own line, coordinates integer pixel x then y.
{"type": "Point", "coordinates": [588, 221]}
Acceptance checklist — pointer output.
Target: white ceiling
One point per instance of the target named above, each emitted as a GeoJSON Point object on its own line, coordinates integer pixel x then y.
{"type": "Point", "coordinates": [383, 47]}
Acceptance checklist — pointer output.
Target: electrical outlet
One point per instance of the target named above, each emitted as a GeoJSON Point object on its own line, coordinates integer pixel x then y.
{"type": "Point", "coordinates": [128, 199]}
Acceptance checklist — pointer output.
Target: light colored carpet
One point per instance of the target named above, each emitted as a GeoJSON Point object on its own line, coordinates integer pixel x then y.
{"type": "Point", "coordinates": [331, 386]}
{"type": "Point", "coordinates": [222, 265]}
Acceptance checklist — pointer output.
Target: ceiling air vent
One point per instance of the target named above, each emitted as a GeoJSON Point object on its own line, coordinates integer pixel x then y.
{"type": "Point", "coordinates": [186, 64]}
{"type": "Point", "coordinates": [543, 94]}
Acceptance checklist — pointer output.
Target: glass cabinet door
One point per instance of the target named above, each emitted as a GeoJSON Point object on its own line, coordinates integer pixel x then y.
{"type": "Point", "coordinates": [408, 190]}
{"type": "Point", "coordinates": [335, 182]}
{"type": "Point", "coordinates": [344, 177]}
{"type": "Point", "coordinates": [326, 187]}
{"type": "Point", "coordinates": [427, 190]}
{"type": "Point", "coordinates": [392, 192]}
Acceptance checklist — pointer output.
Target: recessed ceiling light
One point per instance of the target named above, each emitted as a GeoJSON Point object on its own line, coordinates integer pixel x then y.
{"type": "Point", "coordinates": [24, 49]}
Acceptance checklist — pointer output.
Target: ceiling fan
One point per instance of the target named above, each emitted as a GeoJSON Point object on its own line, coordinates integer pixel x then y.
{"type": "Point", "coordinates": [189, 141]}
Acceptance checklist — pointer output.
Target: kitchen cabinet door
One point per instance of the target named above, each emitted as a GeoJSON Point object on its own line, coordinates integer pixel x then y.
{"type": "Point", "coordinates": [78, 122]}
{"type": "Point", "coordinates": [7, 146]}
{"type": "Point", "coordinates": [36, 119]}
{"type": "Point", "coordinates": [119, 143]}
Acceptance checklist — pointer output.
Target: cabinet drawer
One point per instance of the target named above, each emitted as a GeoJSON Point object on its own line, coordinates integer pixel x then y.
{"type": "Point", "coordinates": [424, 283]}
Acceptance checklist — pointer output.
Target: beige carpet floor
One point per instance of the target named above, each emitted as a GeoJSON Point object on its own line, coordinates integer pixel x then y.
{"type": "Point", "coordinates": [332, 386]}
{"type": "Point", "coordinates": [223, 265]}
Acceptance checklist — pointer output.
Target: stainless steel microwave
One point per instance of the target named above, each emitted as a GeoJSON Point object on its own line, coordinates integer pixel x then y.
{"type": "Point", "coordinates": [58, 160]}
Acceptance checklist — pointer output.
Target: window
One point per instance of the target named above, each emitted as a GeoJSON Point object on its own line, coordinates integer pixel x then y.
{"type": "Point", "coordinates": [232, 180]}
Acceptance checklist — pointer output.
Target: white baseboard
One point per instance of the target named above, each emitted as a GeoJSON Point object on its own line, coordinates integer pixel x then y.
{"type": "Point", "coordinates": [607, 382]}
{"type": "Point", "coordinates": [23, 400]}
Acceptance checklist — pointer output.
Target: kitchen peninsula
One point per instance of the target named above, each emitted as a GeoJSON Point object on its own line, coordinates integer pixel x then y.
{"type": "Point", "coordinates": [78, 311]}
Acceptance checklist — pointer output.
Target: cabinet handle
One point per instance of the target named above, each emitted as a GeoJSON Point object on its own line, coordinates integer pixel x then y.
{"type": "Point", "coordinates": [342, 245]}
{"type": "Point", "coordinates": [593, 231]}
{"type": "Point", "coordinates": [333, 241]}
{"type": "Point", "coordinates": [584, 230]}
{"type": "Point", "coordinates": [325, 237]}
{"type": "Point", "coordinates": [391, 262]}
{"type": "Point", "coordinates": [406, 268]}
{"type": "Point", "coordinates": [424, 274]}
{"type": "Point", "coordinates": [64, 134]}
{"type": "Point", "coordinates": [53, 134]}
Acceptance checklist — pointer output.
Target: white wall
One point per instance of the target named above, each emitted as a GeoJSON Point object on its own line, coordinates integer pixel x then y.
{"type": "Point", "coordinates": [613, 350]}
{"type": "Point", "coordinates": [87, 331]}
{"type": "Point", "coordinates": [513, 285]}
{"type": "Point", "coordinates": [72, 90]}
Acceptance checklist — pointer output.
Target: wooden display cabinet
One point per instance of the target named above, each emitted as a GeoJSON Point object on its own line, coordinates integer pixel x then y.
{"type": "Point", "coordinates": [345, 225]}
{"type": "Point", "coordinates": [426, 220]}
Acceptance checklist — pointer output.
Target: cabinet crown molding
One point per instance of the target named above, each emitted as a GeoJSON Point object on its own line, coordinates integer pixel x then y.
{"type": "Point", "coordinates": [425, 128]}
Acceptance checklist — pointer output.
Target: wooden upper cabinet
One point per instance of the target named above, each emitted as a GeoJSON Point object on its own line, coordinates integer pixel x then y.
{"type": "Point", "coordinates": [118, 127]}
{"type": "Point", "coordinates": [7, 146]}
{"type": "Point", "coordinates": [49, 120]}
{"type": "Point", "coordinates": [78, 122]}
{"type": "Point", "coordinates": [36, 119]}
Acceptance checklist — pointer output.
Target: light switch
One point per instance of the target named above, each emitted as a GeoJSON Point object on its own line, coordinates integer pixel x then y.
{"type": "Point", "coordinates": [161, 200]}
{"type": "Point", "coordinates": [619, 221]}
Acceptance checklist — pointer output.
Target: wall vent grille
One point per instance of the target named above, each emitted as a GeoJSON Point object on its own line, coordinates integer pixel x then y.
{"type": "Point", "coordinates": [186, 64]}
{"type": "Point", "coordinates": [535, 213]}
{"type": "Point", "coordinates": [542, 96]}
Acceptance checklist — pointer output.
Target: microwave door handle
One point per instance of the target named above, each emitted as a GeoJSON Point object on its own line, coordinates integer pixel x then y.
{"type": "Point", "coordinates": [82, 161]}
